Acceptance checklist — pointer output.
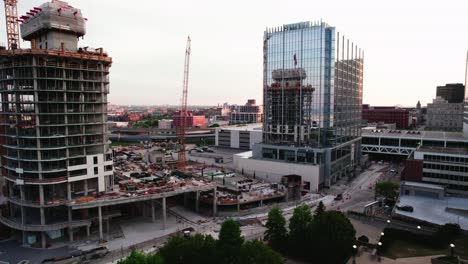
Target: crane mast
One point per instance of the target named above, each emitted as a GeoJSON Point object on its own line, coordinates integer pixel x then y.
{"type": "Point", "coordinates": [183, 109]}
{"type": "Point", "coordinates": [11, 15]}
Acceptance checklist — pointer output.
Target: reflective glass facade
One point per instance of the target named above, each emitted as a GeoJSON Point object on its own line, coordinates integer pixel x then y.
{"type": "Point", "coordinates": [312, 86]}
{"type": "Point", "coordinates": [465, 114]}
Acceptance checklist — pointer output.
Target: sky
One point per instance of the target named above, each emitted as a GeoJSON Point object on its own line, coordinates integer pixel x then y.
{"type": "Point", "coordinates": [410, 46]}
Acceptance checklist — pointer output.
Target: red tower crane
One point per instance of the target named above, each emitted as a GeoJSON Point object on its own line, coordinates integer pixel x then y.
{"type": "Point", "coordinates": [11, 14]}
{"type": "Point", "coordinates": [183, 109]}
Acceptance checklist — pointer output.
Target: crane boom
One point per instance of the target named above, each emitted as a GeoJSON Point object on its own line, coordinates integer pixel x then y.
{"type": "Point", "coordinates": [11, 15]}
{"type": "Point", "coordinates": [183, 108]}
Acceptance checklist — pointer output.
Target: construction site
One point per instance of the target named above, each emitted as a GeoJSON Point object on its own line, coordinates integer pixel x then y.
{"type": "Point", "coordinates": [61, 181]}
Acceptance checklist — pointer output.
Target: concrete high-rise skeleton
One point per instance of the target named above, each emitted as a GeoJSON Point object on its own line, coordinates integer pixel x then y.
{"type": "Point", "coordinates": [312, 87]}
{"type": "Point", "coordinates": [54, 139]}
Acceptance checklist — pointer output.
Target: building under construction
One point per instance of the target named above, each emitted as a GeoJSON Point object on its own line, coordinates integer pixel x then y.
{"type": "Point", "coordinates": [57, 166]}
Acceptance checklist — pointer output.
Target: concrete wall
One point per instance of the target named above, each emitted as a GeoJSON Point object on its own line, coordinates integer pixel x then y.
{"type": "Point", "coordinates": [234, 138]}
{"type": "Point", "coordinates": [89, 166]}
{"type": "Point", "coordinates": [273, 171]}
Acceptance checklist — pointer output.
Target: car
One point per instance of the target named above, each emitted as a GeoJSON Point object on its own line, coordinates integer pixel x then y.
{"type": "Point", "coordinates": [392, 170]}
{"type": "Point", "coordinates": [209, 150]}
{"type": "Point", "coordinates": [405, 208]}
{"type": "Point", "coordinates": [339, 197]}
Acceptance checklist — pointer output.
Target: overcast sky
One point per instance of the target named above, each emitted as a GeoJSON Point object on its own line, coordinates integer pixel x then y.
{"type": "Point", "coordinates": [411, 46]}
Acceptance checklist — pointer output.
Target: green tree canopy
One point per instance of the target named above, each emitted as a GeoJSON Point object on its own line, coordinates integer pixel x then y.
{"type": "Point", "coordinates": [333, 237]}
{"type": "Point", "coordinates": [299, 230]}
{"type": "Point", "coordinates": [389, 190]}
{"type": "Point", "coordinates": [230, 242]}
{"type": "Point", "coordinates": [276, 233]}
{"type": "Point", "coordinates": [197, 249]}
{"type": "Point", "coordinates": [255, 252]}
{"type": "Point", "coordinates": [137, 257]}
{"type": "Point", "coordinates": [320, 209]}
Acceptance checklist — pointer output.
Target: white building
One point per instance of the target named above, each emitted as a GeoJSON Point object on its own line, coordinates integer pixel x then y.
{"type": "Point", "coordinates": [239, 137]}
{"type": "Point", "coordinates": [444, 116]}
{"type": "Point", "coordinates": [165, 123]}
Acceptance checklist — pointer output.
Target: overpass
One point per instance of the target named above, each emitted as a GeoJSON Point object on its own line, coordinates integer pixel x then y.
{"type": "Point", "coordinates": [404, 142]}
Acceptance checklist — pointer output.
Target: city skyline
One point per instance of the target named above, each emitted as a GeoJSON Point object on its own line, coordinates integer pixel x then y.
{"type": "Point", "coordinates": [417, 58]}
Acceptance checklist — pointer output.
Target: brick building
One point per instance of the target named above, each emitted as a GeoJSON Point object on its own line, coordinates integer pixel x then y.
{"type": "Point", "coordinates": [386, 114]}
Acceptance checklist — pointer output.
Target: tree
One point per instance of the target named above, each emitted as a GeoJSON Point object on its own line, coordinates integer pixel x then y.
{"type": "Point", "coordinates": [299, 230]}
{"type": "Point", "coordinates": [320, 209]}
{"type": "Point", "coordinates": [276, 233]}
{"type": "Point", "coordinates": [255, 252]}
{"type": "Point", "coordinates": [215, 125]}
{"type": "Point", "coordinates": [389, 190]}
{"type": "Point", "coordinates": [230, 242]}
{"type": "Point", "coordinates": [140, 258]}
{"type": "Point", "coordinates": [333, 237]}
{"type": "Point", "coordinates": [197, 249]}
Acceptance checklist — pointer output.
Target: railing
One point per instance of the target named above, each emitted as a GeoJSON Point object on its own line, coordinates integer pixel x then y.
{"type": "Point", "coordinates": [46, 227]}
{"type": "Point", "coordinates": [38, 181]}
{"type": "Point", "coordinates": [56, 53]}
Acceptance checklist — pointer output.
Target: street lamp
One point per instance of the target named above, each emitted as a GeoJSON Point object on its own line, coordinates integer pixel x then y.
{"type": "Point", "coordinates": [388, 221]}
{"type": "Point", "coordinates": [382, 233]}
{"type": "Point", "coordinates": [452, 249]}
{"type": "Point", "coordinates": [419, 227]}
{"type": "Point", "coordinates": [354, 253]}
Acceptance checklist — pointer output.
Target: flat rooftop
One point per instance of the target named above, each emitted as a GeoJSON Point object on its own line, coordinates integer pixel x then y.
{"type": "Point", "coordinates": [450, 150]}
{"type": "Point", "coordinates": [437, 211]}
{"type": "Point", "coordinates": [413, 134]}
{"type": "Point", "coordinates": [245, 127]}
{"type": "Point", "coordinates": [423, 185]}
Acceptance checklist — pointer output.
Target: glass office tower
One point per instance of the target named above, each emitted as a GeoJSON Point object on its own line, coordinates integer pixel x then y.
{"type": "Point", "coordinates": [465, 114]}
{"type": "Point", "coordinates": [312, 89]}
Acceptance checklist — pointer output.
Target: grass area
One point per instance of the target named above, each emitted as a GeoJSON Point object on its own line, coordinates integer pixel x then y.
{"type": "Point", "coordinates": [407, 248]}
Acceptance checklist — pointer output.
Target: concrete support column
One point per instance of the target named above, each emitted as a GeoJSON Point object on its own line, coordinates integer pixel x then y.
{"type": "Point", "coordinates": [88, 231]}
{"type": "Point", "coordinates": [164, 212]}
{"type": "Point", "coordinates": [153, 214]}
{"type": "Point", "coordinates": [215, 200]}
{"type": "Point", "coordinates": [108, 225]}
{"type": "Point", "coordinates": [197, 201]}
{"type": "Point", "coordinates": [70, 234]}
{"type": "Point", "coordinates": [41, 195]}
{"type": "Point", "coordinates": [101, 237]}
{"type": "Point", "coordinates": [43, 240]}
{"type": "Point", "coordinates": [85, 183]}
{"type": "Point", "coordinates": [42, 216]}
{"type": "Point", "coordinates": [70, 230]}
{"type": "Point", "coordinates": [238, 203]}
{"type": "Point", "coordinates": [69, 191]}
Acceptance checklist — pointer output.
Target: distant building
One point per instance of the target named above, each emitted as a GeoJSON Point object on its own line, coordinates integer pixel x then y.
{"type": "Point", "coordinates": [444, 116]}
{"type": "Point", "coordinates": [246, 114]}
{"type": "Point", "coordinates": [446, 166]}
{"type": "Point", "coordinates": [386, 114]}
{"type": "Point", "coordinates": [165, 123]}
{"type": "Point", "coordinates": [192, 120]}
{"type": "Point", "coordinates": [452, 92]}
